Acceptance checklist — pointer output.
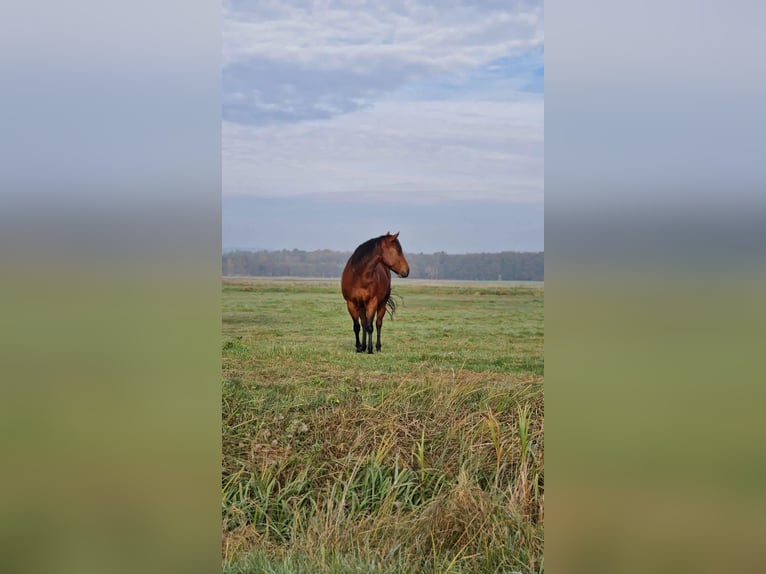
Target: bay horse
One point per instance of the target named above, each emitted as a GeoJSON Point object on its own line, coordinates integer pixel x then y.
{"type": "Point", "coordinates": [366, 284]}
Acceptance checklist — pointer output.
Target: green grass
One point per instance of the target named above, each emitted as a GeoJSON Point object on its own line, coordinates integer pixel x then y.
{"type": "Point", "coordinates": [425, 457]}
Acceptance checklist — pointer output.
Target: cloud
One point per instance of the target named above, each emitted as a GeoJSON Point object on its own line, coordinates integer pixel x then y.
{"type": "Point", "coordinates": [417, 102]}
{"type": "Point", "coordinates": [424, 151]}
{"type": "Point", "coordinates": [291, 61]}
{"type": "Point", "coordinates": [342, 34]}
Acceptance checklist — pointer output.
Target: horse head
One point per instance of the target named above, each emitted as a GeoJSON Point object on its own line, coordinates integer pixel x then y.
{"type": "Point", "coordinates": [393, 258]}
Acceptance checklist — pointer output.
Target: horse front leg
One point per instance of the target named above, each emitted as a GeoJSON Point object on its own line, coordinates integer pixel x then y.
{"type": "Point", "coordinates": [353, 310]}
{"type": "Point", "coordinates": [369, 333]}
{"type": "Point", "coordinates": [361, 348]}
{"type": "Point", "coordinates": [369, 315]}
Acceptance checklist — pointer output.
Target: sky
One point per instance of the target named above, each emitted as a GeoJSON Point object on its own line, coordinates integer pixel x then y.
{"type": "Point", "coordinates": [343, 120]}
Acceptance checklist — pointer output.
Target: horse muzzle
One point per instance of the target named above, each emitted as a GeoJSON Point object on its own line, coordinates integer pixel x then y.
{"type": "Point", "coordinates": [404, 272]}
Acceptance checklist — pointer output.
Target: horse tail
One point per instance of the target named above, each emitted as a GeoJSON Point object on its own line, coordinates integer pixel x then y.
{"type": "Point", "coordinates": [392, 305]}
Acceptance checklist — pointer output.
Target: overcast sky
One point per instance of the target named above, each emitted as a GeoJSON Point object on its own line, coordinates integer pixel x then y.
{"type": "Point", "coordinates": [344, 120]}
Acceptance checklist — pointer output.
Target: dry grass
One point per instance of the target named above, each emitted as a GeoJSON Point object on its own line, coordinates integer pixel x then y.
{"type": "Point", "coordinates": [328, 468]}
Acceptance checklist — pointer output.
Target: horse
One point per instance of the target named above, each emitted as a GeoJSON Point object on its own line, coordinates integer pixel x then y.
{"type": "Point", "coordinates": [366, 285]}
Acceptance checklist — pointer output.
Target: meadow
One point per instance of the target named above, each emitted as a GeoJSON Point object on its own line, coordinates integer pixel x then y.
{"type": "Point", "coordinates": [425, 457]}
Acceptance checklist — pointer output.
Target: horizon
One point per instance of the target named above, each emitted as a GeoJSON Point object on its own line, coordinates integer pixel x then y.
{"type": "Point", "coordinates": [340, 123]}
{"type": "Point", "coordinates": [256, 249]}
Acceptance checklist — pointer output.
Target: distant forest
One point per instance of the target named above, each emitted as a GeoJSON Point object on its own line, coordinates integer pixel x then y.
{"type": "Point", "coordinates": [504, 266]}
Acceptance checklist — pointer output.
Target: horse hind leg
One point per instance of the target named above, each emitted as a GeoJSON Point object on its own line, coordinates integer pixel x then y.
{"type": "Point", "coordinates": [366, 331]}
{"type": "Point", "coordinates": [366, 321]}
{"type": "Point", "coordinates": [369, 333]}
{"type": "Point", "coordinates": [354, 312]}
{"type": "Point", "coordinates": [361, 348]}
{"type": "Point", "coordinates": [379, 324]}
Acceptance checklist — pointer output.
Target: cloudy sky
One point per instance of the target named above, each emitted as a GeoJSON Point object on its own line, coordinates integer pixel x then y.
{"type": "Point", "coordinates": [346, 119]}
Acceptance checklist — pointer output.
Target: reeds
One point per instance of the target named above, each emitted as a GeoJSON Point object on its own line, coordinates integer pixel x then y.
{"type": "Point", "coordinates": [436, 474]}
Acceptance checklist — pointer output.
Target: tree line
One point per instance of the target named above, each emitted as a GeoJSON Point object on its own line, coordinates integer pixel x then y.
{"type": "Point", "coordinates": [503, 266]}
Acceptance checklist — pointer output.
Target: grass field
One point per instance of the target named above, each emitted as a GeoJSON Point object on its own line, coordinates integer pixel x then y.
{"type": "Point", "coordinates": [425, 457]}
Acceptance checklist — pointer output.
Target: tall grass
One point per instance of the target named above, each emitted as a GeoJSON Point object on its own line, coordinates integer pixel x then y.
{"type": "Point", "coordinates": [338, 462]}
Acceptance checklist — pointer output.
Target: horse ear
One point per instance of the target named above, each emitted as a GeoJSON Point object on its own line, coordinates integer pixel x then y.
{"type": "Point", "coordinates": [396, 235]}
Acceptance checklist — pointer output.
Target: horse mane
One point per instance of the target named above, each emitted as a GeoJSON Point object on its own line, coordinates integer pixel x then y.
{"type": "Point", "coordinates": [364, 251]}
{"type": "Point", "coordinates": [367, 249]}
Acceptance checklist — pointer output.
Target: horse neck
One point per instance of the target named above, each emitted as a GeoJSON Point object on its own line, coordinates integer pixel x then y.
{"type": "Point", "coordinates": [372, 262]}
